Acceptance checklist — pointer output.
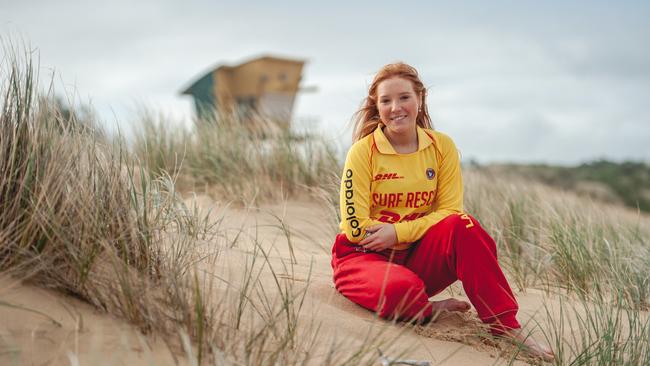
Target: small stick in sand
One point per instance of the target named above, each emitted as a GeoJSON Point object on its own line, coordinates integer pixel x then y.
{"type": "Point", "coordinates": [388, 361]}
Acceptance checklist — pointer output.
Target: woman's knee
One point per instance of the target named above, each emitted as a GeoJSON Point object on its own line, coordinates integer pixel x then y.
{"type": "Point", "coordinates": [472, 235]}
{"type": "Point", "coordinates": [464, 229]}
{"type": "Point", "coordinates": [402, 297]}
{"type": "Point", "coordinates": [462, 221]}
{"type": "Point", "coordinates": [405, 286]}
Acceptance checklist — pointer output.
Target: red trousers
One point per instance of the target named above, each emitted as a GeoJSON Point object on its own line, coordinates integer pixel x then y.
{"type": "Point", "coordinates": [397, 283]}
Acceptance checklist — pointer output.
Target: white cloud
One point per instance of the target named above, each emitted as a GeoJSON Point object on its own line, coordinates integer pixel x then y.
{"type": "Point", "coordinates": [554, 81]}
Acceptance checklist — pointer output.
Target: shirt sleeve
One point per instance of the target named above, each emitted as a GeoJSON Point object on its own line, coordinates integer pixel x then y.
{"type": "Point", "coordinates": [449, 198]}
{"type": "Point", "coordinates": [355, 193]}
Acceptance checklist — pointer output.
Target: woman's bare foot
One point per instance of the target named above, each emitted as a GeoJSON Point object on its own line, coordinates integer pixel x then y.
{"type": "Point", "coordinates": [439, 307]}
{"type": "Point", "coordinates": [450, 304]}
{"type": "Point", "coordinates": [531, 345]}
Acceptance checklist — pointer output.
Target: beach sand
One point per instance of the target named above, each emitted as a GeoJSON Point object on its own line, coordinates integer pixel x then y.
{"type": "Point", "coordinates": [74, 331]}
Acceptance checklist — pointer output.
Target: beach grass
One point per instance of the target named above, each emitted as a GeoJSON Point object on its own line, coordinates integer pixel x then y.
{"type": "Point", "coordinates": [551, 239]}
{"type": "Point", "coordinates": [229, 156]}
{"type": "Point", "coordinates": [82, 215]}
{"type": "Point", "coordinates": [593, 256]}
{"type": "Point", "coordinates": [103, 221]}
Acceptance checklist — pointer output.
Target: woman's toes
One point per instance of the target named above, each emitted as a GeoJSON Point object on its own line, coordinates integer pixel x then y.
{"type": "Point", "coordinates": [532, 346]}
{"type": "Point", "coordinates": [465, 306]}
{"type": "Point", "coordinates": [451, 305]}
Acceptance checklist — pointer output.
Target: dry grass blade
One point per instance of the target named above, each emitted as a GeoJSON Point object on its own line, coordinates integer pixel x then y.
{"type": "Point", "coordinates": [248, 158]}
{"type": "Point", "coordinates": [79, 214]}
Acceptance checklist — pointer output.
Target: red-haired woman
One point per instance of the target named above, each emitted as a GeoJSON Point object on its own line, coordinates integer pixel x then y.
{"type": "Point", "coordinates": [404, 234]}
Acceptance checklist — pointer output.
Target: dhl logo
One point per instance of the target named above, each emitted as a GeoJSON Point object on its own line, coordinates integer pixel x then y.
{"type": "Point", "coordinates": [387, 176]}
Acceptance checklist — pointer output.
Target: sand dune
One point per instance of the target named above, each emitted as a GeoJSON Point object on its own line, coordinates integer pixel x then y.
{"type": "Point", "coordinates": [40, 327]}
{"type": "Point", "coordinates": [72, 330]}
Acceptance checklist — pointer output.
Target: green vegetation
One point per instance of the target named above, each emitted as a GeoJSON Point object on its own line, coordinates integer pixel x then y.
{"type": "Point", "coordinates": [627, 182]}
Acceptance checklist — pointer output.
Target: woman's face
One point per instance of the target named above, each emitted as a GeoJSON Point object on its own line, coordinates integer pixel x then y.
{"type": "Point", "coordinates": [398, 105]}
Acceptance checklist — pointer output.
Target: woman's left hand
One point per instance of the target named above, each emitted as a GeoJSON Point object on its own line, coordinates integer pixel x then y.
{"type": "Point", "coordinates": [382, 236]}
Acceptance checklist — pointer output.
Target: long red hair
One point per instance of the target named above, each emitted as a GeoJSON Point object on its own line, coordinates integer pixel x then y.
{"type": "Point", "coordinates": [366, 119]}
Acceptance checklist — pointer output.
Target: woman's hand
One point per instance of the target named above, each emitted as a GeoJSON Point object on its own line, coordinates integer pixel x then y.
{"type": "Point", "coordinates": [382, 236]}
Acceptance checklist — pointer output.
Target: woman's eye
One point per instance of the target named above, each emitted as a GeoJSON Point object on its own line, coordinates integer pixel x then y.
{"type": "Point", "coordinates": [404, 97]}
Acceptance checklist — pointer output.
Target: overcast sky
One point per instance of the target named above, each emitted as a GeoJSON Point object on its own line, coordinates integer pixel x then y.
{"type": "Point", "coordinates": [544, 81]}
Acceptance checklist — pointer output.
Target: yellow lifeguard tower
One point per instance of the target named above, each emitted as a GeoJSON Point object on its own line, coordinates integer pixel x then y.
{"type": "Point", "coordinates": [265, 85]}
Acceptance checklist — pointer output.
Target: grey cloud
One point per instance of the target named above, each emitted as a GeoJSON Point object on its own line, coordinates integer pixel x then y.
{"type": "Point", "coordinates": [553, 80]}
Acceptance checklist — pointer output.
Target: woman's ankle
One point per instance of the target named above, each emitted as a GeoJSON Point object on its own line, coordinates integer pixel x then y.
{"type": "Point", "coordinates": [505, 323]}
{"type": "Point", "coordinates": [531, 345]}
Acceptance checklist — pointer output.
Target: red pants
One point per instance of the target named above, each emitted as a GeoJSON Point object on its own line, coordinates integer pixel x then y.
{"type": "Point", "coordinates": [397, 284]}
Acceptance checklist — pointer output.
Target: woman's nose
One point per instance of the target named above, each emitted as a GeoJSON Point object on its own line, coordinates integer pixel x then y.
{"type": "Point", "coordinates": [394, 106]}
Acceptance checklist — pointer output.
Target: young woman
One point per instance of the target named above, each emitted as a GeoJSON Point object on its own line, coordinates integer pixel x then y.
{"type": "Point", "coordinates": [405, 236]}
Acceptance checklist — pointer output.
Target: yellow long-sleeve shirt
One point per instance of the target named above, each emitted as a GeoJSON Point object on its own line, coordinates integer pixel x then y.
{"type": "Point", "coordinates": [413, 191]}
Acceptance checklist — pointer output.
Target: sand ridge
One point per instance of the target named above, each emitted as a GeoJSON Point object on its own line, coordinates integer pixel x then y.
{"type": "Point", "coordinates": [96, 338]}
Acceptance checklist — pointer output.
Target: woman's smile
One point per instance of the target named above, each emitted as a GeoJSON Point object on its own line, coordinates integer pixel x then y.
{"type": "Point", "coordinates": [398, 108]}
{"type": "Point", "coordinates": [398, 118]}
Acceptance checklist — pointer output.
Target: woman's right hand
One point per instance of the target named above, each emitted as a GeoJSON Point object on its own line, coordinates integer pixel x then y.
{"type": "Point", "coordinates": [382, 237]}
